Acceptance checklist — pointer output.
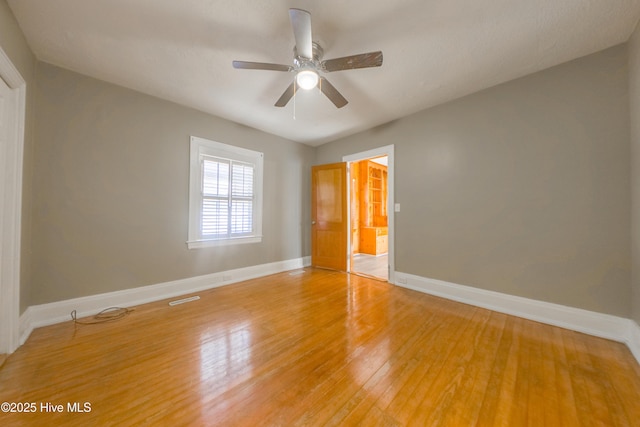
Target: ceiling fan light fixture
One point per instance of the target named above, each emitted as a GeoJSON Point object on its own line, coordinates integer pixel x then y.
{"type": "Point", "coordinates": [308, 63]}
{"type": "Point", "coordinates": [307, 79]}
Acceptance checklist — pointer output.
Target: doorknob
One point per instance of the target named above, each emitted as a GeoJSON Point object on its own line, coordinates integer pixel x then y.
{"type": "Point", "coordinates": [313, 222]}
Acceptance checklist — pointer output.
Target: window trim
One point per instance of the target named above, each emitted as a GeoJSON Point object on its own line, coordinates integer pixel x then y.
{"type": "Point", "coordinates": [200, 147]}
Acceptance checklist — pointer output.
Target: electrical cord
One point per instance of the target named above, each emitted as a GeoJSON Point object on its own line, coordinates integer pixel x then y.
{"type": "Point", "coordinates": [107, 315]}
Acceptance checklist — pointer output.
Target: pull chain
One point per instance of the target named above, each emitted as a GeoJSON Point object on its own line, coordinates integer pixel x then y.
{"type": "Point", "coordinates": [294, 99]}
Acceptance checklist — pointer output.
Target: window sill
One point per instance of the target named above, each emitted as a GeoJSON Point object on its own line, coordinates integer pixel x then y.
{"type": "Point", "coordinates": [198, 244]}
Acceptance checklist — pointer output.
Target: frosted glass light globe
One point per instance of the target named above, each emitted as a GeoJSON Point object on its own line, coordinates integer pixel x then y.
{"type": "Point", "coordinates": [307, 79]}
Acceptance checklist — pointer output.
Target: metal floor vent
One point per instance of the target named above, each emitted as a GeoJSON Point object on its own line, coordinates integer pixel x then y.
{"type": "Point", "coordinates": [295, 273]}
{"type": "Point", "coordinates": [183, 300]}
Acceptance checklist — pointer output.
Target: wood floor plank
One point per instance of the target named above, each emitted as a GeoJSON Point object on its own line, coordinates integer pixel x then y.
{"type": "Point", "coordinates": [541, 387]}
{"type": "Point", "coordinates": [414, 396]}
{"type": "Point", "coordinates": [468, 400]}
{"type": "Point", "coordinates": [320, 348]}
{"type": "Point", "coordinates": [497, 402]}
{"type": "Point", "coordinates": [376, 391]}
{"type": "Point", "coordinates": [440, 397]}
{"type": "Point", "coordinates": [592, 405]}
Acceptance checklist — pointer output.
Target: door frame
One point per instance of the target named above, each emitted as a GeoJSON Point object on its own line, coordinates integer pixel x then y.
{"type": "Point", "coordinates": [11, 158]}
{"type": "Point", "coordinates": [387, 150]}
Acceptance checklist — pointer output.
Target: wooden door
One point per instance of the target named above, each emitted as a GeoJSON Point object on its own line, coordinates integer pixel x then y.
{"type": "Point", "coordinates": [329, 216]}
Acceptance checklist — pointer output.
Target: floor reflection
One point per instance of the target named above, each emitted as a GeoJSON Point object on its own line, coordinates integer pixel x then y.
{"type": "Point", "coordinates": [225, 353]}
{"type": "Point", "coordinates": [366, 345]}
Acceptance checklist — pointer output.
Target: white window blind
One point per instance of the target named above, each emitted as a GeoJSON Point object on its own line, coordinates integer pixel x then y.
{"type": "Point", "coordinates": [227, 198]}
{"type": "Point", "coordinates": [229, 185]}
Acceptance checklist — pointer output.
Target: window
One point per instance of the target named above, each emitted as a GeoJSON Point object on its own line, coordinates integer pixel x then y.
{"type": "Point", "coordinates": [225, 194]}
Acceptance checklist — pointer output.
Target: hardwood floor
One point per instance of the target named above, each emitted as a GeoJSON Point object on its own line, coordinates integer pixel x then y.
{"type": "Point", "coordinates": [320, 348]}
{"type": "Point", "coordinates": [372, 265]}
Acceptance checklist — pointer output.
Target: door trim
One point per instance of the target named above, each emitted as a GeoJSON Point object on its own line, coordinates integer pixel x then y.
{"type": "Point", "coordinates": [387, 150]}
{"type": "Point", "coordinates": [11, 208]}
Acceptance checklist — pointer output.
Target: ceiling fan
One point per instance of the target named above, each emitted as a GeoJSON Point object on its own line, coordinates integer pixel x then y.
{"type": "Point", "coordinates": [308, 63]}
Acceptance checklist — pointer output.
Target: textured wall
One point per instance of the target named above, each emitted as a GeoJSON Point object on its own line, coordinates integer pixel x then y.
{"type": "Point", "coordinates": [111, 190]}
{"type": "Point", "coordinates": [522, 188]}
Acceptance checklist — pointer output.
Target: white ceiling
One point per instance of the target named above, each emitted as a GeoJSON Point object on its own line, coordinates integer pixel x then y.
{"type": "Point", "coordinates": [434, 51]}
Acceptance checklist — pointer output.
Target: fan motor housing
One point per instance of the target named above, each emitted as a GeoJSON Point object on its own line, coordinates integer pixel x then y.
{"type": "Point", "coordinates": [318, 52]}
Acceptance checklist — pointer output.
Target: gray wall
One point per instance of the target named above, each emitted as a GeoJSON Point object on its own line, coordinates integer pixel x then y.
{"type": "Point", "coordinates": [634, 98]}
{"type": "Point", "coordinates": [110, 197]}
{"type": "Point", "coordinates": [14, 44]}
{"type": "Point", "coordinates": [522, 188]}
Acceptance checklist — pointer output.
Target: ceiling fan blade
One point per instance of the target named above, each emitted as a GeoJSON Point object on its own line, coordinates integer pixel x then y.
{"type": "Point", "coordinates": [332, 93]}
{"type": "Point", "coordinates": [301, 23]}
{"type": "Point", "coordinates": [286, 96]}
{"type": "Point", "coordinates": [246, 65]}
{"type": "Point", "coordinates": [363, 60]}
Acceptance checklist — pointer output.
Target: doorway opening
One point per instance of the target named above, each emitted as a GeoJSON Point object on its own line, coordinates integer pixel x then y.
{"type": "Point", "coordinates": [370, 200]}
{"type": "Point", "coordinates": [369, 229]}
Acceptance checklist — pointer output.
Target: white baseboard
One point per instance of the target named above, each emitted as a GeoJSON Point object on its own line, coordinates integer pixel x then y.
{"type": "Point", "coordinates": [25, 324]}
{"type": "Point", "coordinates": [634, 339]}
{"type": "Point", "coordinates": [47, 314]}
{"type": "Point", "coordinates": [589, 322]}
